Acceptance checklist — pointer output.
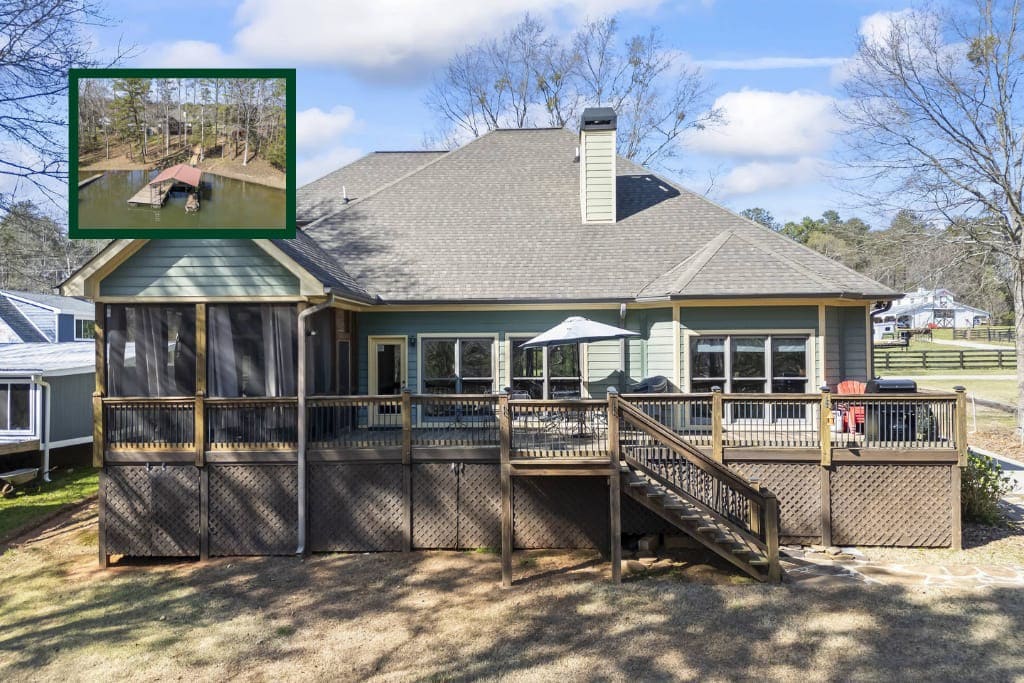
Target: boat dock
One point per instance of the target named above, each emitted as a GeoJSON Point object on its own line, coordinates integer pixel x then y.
{"type": "Point", "coordinates": [83, 183]}
{"type": "Point", "coordinates": [151, 195]}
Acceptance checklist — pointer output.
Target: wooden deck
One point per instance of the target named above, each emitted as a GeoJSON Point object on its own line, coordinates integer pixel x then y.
{"type": "Point", "coordinates": [149, 197]}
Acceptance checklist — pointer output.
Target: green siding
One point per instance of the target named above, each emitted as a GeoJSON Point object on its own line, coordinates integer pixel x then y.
{"type": "Point", "coordinates": [196, 267]}
{"type": "Point", "coordinates": [603, 356]}
{"type": "Point", "coordinates": [845, 344]}
{"type": "Point", "coordinates": [71, 405]}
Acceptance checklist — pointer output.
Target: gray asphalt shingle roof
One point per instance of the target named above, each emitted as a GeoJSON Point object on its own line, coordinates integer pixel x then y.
{"type": "Point", "coordinates": [322, 266]}
{"type": "Point", "coordinates": [499, 220]}
{"type": "Point", "coordinates": [18, 323]}
{"type": "Point", "coordinates": [47, 357]}
{"type": "Point", "coordinates": [65, 304]}
{"type": "Point", "coordinates": [325, 195]}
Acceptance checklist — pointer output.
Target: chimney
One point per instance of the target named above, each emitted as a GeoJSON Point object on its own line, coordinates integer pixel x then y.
{"type": "Point", "coordinates": [597, 165]}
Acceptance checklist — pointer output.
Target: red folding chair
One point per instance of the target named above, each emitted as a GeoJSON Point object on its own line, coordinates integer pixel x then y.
{"type": "Point", "coordinates": [853, 416]}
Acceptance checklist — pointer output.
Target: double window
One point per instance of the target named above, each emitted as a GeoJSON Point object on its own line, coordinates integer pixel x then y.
{"type": "Point", "coordinates": [85, 329]}
{"type": "Point", "coordinates": [15, 408]}
{"type": "Point", "coordinates": [751, 364]}
{"type": "Point", "coordinates": [458, 365]}
{"type": "Point", "coordinates": [546, 373]}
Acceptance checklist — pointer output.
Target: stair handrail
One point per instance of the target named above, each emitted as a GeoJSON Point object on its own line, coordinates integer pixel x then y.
{"type": "Point", "coordinates": [762, 526]}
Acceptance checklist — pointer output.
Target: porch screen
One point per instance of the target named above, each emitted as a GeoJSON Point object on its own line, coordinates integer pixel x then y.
{"type": "Point", "coordinates": [252, 350]}
{"type": "Point", "coordinates": [151, 350]}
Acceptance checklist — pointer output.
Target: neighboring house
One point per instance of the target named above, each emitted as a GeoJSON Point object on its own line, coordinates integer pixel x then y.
{"type": "Point", "coordinates": [31, 317]}
{"type": "Point", "coordinates": [283, 407]}
{"type": "Point", "coordinates": [932, 308]}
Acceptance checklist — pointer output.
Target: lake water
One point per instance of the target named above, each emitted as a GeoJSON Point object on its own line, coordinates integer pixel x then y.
{"type": "Point", "coordinates": [224, 203]}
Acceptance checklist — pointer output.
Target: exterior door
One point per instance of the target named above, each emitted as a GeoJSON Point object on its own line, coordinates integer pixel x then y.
{"type": "Point", "coordinates": [387, 376]}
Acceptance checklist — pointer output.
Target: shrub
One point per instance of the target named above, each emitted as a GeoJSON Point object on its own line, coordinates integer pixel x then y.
{"type": "Point", "coordinates": [981, 486]}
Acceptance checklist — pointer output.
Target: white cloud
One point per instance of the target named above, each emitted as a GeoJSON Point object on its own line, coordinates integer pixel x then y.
{"type": "Point", "coordinates": [386, 35]}
{"type": "Point", "coordinates": [313, 167]}
{"type": "Point", "coordinates": [316, 127]}
{"type": "Point", "coordinates": [186, 54]}
{"type": "Point", "coordinates": [762, 123]}
{"type": "Point", "coordinates": [769, 63]}
{"type": "Point", "coordinates": [875, 30]}
{"type": "Point", "coordinates": [757, 176]}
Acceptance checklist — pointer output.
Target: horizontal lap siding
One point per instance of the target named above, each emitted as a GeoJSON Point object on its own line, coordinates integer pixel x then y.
{"type": "Point", "coordinates": [196, 267]}
{"type": "Point", "coordinates": [603, 357]}
{"type": "Point", "coordinates": [71, 406]}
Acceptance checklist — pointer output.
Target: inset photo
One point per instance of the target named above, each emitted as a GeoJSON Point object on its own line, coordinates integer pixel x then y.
{"type": "Point", "coordinates": [182, 153]}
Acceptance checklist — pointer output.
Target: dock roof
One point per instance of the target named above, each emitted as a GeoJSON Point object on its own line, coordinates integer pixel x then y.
{"type": "Point", "coordinates": [182, 173]}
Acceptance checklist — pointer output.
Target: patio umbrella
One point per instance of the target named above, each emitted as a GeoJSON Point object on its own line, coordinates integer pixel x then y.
{"type": "Point", "coordinates": [577, 330]}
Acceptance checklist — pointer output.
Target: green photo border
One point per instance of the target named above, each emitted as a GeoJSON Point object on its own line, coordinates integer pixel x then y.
{"type": "Point", "coordinates": [287, 231]}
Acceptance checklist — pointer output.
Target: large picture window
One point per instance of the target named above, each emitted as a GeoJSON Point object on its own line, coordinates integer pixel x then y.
{"type": "Point", "coordinates": [546, 373]}
{"type": "Point", "coordinates": [15, 408]}
{"type": "Point", "coordinates": [751, 364]}
{"type": "Point", "coordinates": [457, 365]}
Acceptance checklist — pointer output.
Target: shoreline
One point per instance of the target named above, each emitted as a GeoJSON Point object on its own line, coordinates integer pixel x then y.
{"type": "Point", "coordinates": [276, 183]}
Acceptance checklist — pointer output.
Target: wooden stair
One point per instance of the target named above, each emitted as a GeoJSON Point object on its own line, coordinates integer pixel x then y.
{"type": "Point", "coordinates": [709, 529]}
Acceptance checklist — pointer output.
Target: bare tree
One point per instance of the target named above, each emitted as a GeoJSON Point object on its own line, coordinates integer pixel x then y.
{"type": "Point", "coordinates": [527, 78]}
{"type": "Point", "coordinates": [935, 122]}
{"type": "Point", "coordinates": [42, 39]}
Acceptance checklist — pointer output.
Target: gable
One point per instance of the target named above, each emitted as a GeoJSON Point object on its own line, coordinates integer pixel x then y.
{"type": "Point", "coordinates": [199, 268]}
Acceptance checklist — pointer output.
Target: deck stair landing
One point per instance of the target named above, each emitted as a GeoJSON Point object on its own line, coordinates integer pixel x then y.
{"type": "Point", "coordinates": [732, 517]}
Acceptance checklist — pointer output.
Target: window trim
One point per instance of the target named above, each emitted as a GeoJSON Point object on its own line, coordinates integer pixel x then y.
{"type": "Point", "coordinates": [512, 337]}
{"type": "Point", "coordinates": [810, 347]}
{"type": "Point", "coordinates": [85, 320]}
{"type": "Point", "coordinates": [32, 405]}
{"type": "Point", "coordinates": [426, 336]}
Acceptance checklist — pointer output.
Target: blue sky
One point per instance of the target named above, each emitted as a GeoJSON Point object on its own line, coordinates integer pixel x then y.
{"type": "Point", "coordinates": [363, 68]}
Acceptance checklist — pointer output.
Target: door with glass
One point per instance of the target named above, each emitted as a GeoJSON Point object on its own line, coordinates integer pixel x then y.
{"type": "Point", "coordinates": [387, 377]}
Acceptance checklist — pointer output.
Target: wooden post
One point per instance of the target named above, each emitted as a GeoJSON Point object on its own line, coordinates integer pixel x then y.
{"type": "Point", "coordinates": [771, 521]}
{"type": "Point", "coordinates": [204, 514]}
{"type": "Point", "coordinates": [826, 506]}
{"type": "Point", "coordinates": [716, 424]}
{"type": "Point", "coordinates": [614, 493]}
{"type": "Point", "coordinates": [505, 430]}
{"type": "Point", "coordinates": [199, 429]}
{"type": "Point", "coordinates": [754, 510]}
{"type": "Point", "coordinates": [100, 389]}
{"type": "Point", "coordinates": [957, 532]}
{"type": "Point", "coordinates": [406, 470]}
{"type": "Point", "coordinates": [199, 416]}
{"type": "Point", "coordinates": [961, 425]}
{"type": "Point", "coordinates": [104, 558]}
{"type": "Point", "coordinates": [825, 427]}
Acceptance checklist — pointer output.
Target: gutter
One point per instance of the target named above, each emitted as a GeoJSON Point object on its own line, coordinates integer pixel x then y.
{"type": "Point", "coordinates": [301, 421]}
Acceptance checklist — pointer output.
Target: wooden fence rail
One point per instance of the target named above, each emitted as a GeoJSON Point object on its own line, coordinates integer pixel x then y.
{"type": "Point", "coordinates": [1004, 334]}
{"type": "Point", "coordinates": [942, 359]}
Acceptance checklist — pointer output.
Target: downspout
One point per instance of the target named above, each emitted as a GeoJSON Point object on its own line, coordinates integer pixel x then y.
{"type": "Point", "coordinates": [44, 436]}
{"type": "Point", "coordinates": [622, 351]}
{"type": "Point", "coordinates": [301, 422]}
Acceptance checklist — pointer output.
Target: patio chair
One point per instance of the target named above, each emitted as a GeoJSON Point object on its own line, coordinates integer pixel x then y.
{"type": "Point", "coordinates": [853, 415]}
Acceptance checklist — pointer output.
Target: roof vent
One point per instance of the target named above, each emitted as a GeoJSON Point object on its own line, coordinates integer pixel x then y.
{"type": "Point", "coordinates": [344, 194]}
{"type": "Point", "coordinates": [597, 165]}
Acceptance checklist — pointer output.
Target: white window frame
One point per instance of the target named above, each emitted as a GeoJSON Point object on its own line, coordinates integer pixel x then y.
{"type": "Point", "coordinates": [85, 320]}
{"type": "Point", "coordinates": [420, 338]}
{"type": "Point", "coordinates": [511, 339]}
{"type": "Point", "coordinates": [32, 406]}
{"type": "Point", "coordinates": [809, 350]}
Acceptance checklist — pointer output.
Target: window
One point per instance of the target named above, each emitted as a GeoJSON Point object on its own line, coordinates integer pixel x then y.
{"type": "Point", "coordinates": [463, 365]}
{"type": "Point", "coordinates": [750, 364]}
{"type": "Point", "coordinates": [85, 329]}
{"type": "Point", "coordinates": [15, 407]}
{"type": "Point", "coordinates": [552, 372]}
{"type": "Point", "coordinates": [252, 350]}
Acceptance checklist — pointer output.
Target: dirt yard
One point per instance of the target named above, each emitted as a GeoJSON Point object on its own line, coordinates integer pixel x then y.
{"type": "Point", "coordinates": [442, 616]}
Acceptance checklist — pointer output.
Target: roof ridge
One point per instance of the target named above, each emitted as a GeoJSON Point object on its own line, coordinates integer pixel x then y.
{"type": "Point", "coordinates": [308, 228]}
{"type": "Point", "coordinates": [699, 259]}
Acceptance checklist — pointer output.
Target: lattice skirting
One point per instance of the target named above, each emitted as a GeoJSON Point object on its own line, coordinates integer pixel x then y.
{"type": "Point", "coordinates": [560, 512]}
{"type": "Point", "coordinates": [253, 509]}
{"type": "Point", "coordinates": [151, 511]}
{"type": "Point", "coordinates": [456, 505]}
{"type": "Point", "coordinates": [898, 505]}
{"type": "Point", "coordinates": [798, 488]}
{"type": "Point", "coordinates": [355, 507]}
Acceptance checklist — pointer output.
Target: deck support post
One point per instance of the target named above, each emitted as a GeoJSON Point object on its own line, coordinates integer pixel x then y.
{"type": "Point", "coordinates": [771, 535]}
{"type": "Point", "coordinates": [101, 385]}
{"type": "Point", "coordinates": [614, 481]}
{"type": "Point", "coordinates": [825, 426]}
{"type": "Point", "coordinates": [957, 516]}
{"type": "Point", "coordinates": [204, 514]}
{"type": "Point", "coordinates": [961, 425]}
{"type": "Point", "coordinates": [717, 411]}
{"type": "Point", "coordinates": [104, 558]}
{"type": "Point", "coordinates": [505, 432]}
{"type": "Point", "coordinates": [826, 506]}
{"type": "Point", "coordinates": [199, 415]}
{"type": "Point", "coordinates": [406, 470]}
{"type": "Point", "coordinates": [957, 470]}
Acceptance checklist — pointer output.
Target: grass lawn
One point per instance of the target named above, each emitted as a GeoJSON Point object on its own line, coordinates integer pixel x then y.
{"type": "Point", "coordinates": [1004, 390]}
{"type": "Point", "coordinates": [439, 616]}
{"type": "Point", "coordinates": [30, 504]}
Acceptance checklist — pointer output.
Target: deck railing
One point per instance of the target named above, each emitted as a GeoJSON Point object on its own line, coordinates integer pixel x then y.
{"type": "Point", "coordinates": [574, 428]}
{"type": "Point", "coordinates": [719, 423]}
{"type": "Point", "coordinates": [149, 424]}
{"type": "Point", "coordinates": [251, 423]}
